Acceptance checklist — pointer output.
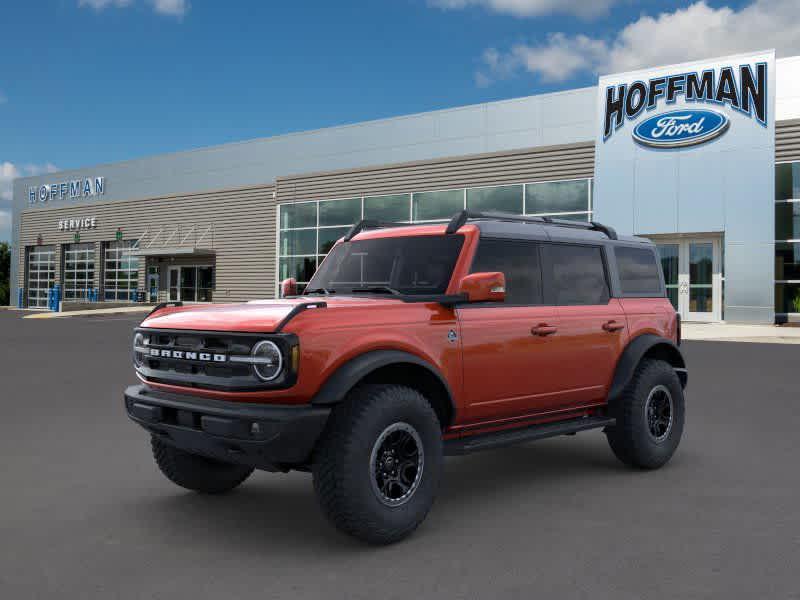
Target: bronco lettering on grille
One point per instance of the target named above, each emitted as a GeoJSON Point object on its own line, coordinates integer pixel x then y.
{"type": "Point", "coordinates": [181, 354]}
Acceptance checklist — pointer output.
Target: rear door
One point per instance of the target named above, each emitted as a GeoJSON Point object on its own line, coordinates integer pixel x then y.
{"type": "Point", "coordinates": [509, 366]}
{"type": "Point", "coordinates": [592, 325]}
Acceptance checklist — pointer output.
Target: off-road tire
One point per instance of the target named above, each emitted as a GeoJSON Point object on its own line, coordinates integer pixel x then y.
{"type": "Point", "coordinates": [631, 438]}
{"type": "Point", "coordinates": [343, 462]}
{"type": "Point", "coordinates": [197, 472]}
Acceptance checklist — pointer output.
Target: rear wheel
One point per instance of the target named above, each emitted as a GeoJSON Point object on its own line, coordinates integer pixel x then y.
{"type": "Point", "coordinates": [378, 464]}
{"type": "Point", "coordinates": [650, 415]}
{"type": "Point", "coordinates": [195, 472]}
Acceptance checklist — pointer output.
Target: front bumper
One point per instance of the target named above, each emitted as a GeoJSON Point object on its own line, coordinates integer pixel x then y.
{"type": "Point", "coordinates": [267, 437]}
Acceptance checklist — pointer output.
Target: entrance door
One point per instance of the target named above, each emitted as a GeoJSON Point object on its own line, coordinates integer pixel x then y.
{"type": "Point", "coordinates": [173, 284]}
{"type": "Point", "coordinates": [693, 274]}
{"type": "Point", "coordinates": [152, 284]}
{"type": "Point", "coordinates": [191, 283]}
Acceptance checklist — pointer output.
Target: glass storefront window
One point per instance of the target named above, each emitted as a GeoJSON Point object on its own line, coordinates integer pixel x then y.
{"type": "Point", "coordinates": [787, 227]}
{"type": "Point", "coordinates": [308, 230]}
{"type": "Point", "coordinates": [121, 271]}
{"type": "Point", "coordinates": [787, 181]}
{"type": "Point", "coordinates": [506, 198]}
{"type": "Point", "coordinates": [787, 261]}
{"type": "Point", "coordinates": [557, 196]}
{"type": "Point", "coordinates": [432, 206]}
{"type": "Point", "coordinates": [340, 212]}
{"type": "Point", "coordinates": [302, 214]}
{"type": "Point", "coordinates": [299, 267]}
{"type": "Point", "coordinates": [388, 208]}
{"type": "Point", "coordinates": [787, 220]}
{"type": "Point", "coordinates": [78, 275]}
{"type": "Point", "coordinates": [787, 297]}
{"type": "Point", "coordinates": [298, 241]}
{"type": "Point", "coordinates": [328, 236]}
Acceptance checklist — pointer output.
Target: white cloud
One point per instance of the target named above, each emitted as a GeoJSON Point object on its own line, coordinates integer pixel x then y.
{"type": "Point", "coordinates": [531, 8]}
{"type": "Point", "coordinates": [695, 32]}
{"type": "Point", "coordinates": [172, 8]}
{"type": "Point", "coordinates": [8, 172]}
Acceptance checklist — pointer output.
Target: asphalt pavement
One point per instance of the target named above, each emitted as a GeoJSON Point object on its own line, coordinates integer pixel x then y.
{"type": "Point", "coordinates": [84, 512]}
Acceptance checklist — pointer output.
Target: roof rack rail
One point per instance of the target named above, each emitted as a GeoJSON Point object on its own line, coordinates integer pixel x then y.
{"type": "Point", "coordinates": [371, 224]}
{"type": "Point", "coordinates": [460, 219]}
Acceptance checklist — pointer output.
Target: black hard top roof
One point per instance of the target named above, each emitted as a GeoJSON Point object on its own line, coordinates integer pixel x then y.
{"type": "Point", "coordinates": [521, 227]}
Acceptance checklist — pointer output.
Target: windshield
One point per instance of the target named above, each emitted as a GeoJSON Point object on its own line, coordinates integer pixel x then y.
{"type": "Point", "coordinates": [390, 265]}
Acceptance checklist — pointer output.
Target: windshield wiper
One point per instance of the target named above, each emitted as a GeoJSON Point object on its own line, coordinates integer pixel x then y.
{"type": "Point", "coordinates": [320, 290]}
{"type": "Point", "coordinates": [376, 289]}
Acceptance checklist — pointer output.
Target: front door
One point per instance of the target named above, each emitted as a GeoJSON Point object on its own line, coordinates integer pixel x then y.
{"type": "Point", "coordinates": [511, 352]}
{"type": "Point", "coordinates": [693, 273]}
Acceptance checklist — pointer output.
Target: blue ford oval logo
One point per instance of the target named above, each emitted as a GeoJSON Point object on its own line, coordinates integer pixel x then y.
{"type": "Point", "coordinates": [681, 128]}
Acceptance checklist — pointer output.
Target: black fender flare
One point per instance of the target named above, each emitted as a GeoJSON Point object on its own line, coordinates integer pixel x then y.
{"type": "Point", "coordinates": [636, 350]}
{"type": "Point", "coordinates": [350, 373]}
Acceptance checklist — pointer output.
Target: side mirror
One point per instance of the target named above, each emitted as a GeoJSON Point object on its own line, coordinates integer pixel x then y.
{"type": "Point", "coordinates": [289, 287]}
{"type": "Point", "coordinates": [484, 287]}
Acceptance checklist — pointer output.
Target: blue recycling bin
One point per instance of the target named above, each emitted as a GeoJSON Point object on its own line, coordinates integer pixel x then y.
{"type": "Point", "coordinates": [54, 297]}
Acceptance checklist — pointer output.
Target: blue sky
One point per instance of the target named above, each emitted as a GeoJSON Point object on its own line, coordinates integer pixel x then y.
{"type": "Point", "coordinates": [91, 81]}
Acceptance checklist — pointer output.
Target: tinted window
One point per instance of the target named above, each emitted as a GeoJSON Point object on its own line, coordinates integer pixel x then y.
{"type": "Point", "coordinates": [578, 276]}
{"type": "Point", "coordinates": [638, 271]}
{"type": "Point", "coordinates": [519, 262]}
{"type": "Point", "coordinates": [409, 264]}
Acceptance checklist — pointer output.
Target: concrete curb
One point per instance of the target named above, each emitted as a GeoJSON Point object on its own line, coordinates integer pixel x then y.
{"type": "Point", "coordinates": [99, 311]}
{"type": "Point", "coordinates": [726, 332]}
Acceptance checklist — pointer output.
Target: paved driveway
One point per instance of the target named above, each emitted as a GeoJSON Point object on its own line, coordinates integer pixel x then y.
{"type": "Point", "coordinates": [85, 514]}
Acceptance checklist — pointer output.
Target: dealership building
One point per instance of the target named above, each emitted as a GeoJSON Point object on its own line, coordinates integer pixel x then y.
{"type": "Point", "coordinates": [703, 158]}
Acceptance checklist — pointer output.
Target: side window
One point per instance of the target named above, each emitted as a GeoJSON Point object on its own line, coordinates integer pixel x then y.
{"type": "Point", "coordinates": [578, 275]}
{"type": "Point", "coordinates": [519, 262]}
{"type": "Point", "coordinates": [638, 271]}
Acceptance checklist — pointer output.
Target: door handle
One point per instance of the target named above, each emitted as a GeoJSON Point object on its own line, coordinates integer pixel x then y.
{"type": "Point", "coordinates": [612, 326]}
{"type": "Point", "coordinates": [543, 329]}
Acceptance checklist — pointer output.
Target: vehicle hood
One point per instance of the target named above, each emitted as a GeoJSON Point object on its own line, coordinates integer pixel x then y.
{"type": "Point", "coordinates": [260, 316]}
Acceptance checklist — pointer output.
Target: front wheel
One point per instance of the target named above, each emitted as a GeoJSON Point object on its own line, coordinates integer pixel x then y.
{"type": "Point", "coordinates": [650, 414]}
{"type": "Point", "coordinates": [378, 464]}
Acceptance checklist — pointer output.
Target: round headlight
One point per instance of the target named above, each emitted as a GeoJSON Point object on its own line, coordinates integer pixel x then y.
{"type": "Point", "coordinates": [138, 342]}
{"type": "Point", "coordinates": [267, 360]}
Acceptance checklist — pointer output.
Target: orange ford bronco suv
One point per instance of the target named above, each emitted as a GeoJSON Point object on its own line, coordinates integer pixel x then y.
{"type": "Point", "coordinates": [412, 342]}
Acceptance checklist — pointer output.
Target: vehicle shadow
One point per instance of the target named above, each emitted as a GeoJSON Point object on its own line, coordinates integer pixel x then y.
{"type": "Point", "coordinates": [275, 513]}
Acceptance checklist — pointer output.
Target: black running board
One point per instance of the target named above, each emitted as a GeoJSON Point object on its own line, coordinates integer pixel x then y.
{"type": "Point", "coordinates": [498, 439]}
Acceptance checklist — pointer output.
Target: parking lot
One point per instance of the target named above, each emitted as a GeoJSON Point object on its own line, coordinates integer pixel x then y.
{"type": "Point", "coordinates": [84, 513]}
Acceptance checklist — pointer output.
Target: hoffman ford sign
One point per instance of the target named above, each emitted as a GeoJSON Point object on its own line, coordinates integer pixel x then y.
{"type": "Point", "coordinates": [739, 87]}
{"type": "Point", "coordinates": [72, 190]}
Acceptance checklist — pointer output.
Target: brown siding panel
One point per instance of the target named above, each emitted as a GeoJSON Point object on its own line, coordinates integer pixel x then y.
{"type": "Point", "coordinates": [787, 141]}
{"type": "Point", "coordinates": [243, 223]}
{"type": "Point", "coordinates": [572, 161]}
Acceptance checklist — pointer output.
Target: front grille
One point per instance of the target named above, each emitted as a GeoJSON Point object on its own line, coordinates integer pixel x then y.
{"type": "Point", "coordinates": [193, 359]}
